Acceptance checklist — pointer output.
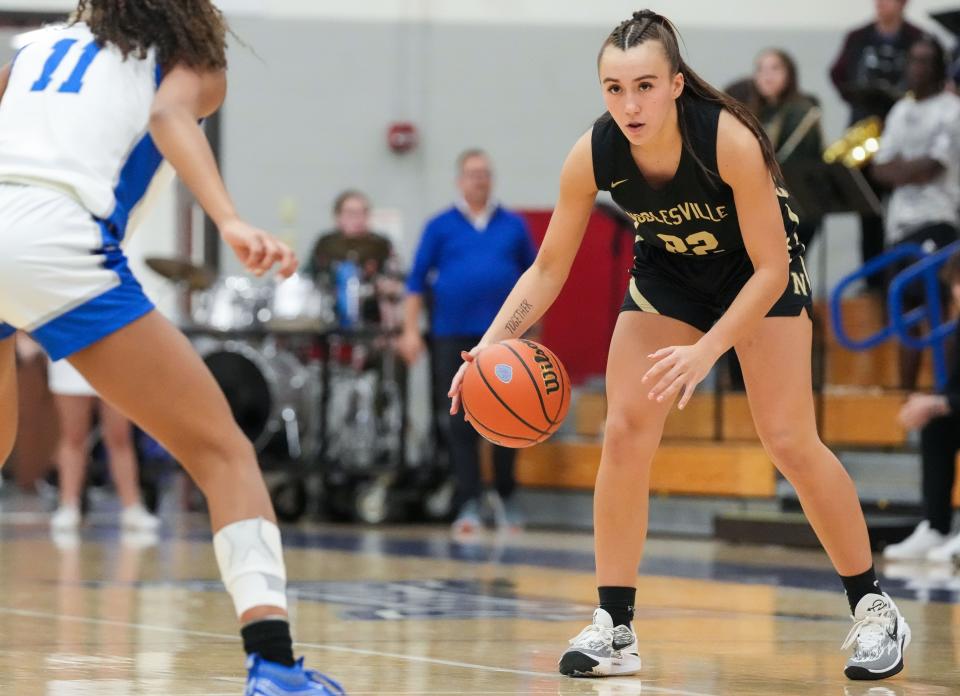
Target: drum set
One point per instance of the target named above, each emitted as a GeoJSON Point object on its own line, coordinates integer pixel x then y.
{"type": "Point", "coordinates": [312, 379]}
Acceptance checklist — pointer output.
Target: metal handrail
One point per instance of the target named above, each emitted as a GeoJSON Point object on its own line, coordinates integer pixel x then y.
{"type": "Point", "coordinates": [874, 266]}
{"type": "Point", "coordinates": [926, 271]}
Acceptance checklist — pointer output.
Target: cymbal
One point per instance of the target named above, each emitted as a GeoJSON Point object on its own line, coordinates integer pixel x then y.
{"type": "Point", "coordinates": [182, 271]}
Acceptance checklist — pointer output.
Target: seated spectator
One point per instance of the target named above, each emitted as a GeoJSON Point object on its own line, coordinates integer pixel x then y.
{"type": "Point", "coordinates": [791, 119]}
{"type": "Point", "coordinates": [938, 417]}
{"type": "Point", "coordinates": [350, 239]}
{"type": "Point", "coordinates": [919, 159]}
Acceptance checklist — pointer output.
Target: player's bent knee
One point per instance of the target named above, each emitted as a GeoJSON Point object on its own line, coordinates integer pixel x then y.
{"type": "Point", "coordinates": [220, 459]}
{"type": "Point", "coordinates": [789, 449]}
{"type": "Point", "coordinates": [628, 428]}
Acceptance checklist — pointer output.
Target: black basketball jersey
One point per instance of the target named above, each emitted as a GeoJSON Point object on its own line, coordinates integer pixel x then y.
{"type": "Point", "coordinates": [694, 213]}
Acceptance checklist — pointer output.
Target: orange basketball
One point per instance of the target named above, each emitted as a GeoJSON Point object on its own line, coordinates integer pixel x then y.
{"type": "Point", "coordinates": [515, 393]}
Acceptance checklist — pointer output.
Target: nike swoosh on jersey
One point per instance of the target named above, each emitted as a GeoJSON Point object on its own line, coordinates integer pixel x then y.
{"type": "Point", "coordinates": [617, 183]}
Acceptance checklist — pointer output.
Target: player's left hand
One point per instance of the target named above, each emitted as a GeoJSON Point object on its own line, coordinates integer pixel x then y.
{"type": "Point", "coordinates": [257, 249]}
{"type": "Point", "coordinates": [677, 368]}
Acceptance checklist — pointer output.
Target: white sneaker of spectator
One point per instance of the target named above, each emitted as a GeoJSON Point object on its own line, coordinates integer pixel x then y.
{"type": "Point", "coordinates": [138, 518]}
{"type": "Point", "coordinates": [917, 545]}
{"type": "Point", "coordinates": [946, 551]}
{"type": "Point", "coordinates": [65, 519]}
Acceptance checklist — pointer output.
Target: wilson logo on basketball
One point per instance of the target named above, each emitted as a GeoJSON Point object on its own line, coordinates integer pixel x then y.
{"type": "Point", "coordinates": [548, 372]}
{"type": "Point", "coordinates": [515, 393]}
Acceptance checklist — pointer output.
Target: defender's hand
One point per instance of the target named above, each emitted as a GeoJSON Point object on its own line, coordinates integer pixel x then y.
{"type": "Point", "coordinates": [257, 249]}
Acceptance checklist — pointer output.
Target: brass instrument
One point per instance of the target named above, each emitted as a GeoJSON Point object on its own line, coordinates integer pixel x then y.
{"type": "Point", "coordinates": [858, 144]}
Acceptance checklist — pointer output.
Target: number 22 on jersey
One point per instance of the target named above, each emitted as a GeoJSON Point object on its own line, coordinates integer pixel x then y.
{"type": "Point", "coordinates": [74, 82]}
{"type": "Point", "coordinates": [700, 243]}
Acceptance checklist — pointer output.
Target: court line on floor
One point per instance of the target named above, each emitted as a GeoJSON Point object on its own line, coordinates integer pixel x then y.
{"type": "Point", "coordinates": [28, 613]}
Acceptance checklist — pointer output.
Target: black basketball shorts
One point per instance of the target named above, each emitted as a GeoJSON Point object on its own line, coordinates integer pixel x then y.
{"type": "Point", "coordinates": [698, 291]}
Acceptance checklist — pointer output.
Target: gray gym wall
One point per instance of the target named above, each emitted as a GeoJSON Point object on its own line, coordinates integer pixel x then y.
{"type": "Point", "coordinates": [310, 101]}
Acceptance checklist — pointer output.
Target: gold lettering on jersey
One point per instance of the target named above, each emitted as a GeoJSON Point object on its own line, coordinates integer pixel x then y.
{"type": "Point", "coordinates": [801, 284]}
{"type": "Point", "coordinates": [801, 281]}
{"type": "Point", "coordinates": [674, 245]}
{"type": "Point", "coordinates": [700, 243]}
{"type": "Point", "coordinates": [677, 215]}
{"type": "Point", "coordinates": [792, 215]}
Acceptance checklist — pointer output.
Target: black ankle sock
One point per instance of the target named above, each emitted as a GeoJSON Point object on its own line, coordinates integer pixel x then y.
{"type": "Point", "coordinates": [856, 586]}
{"type": "Point", "coordinates": [618, 602]}
{"type": "Point", "coordinates": [270, 639]}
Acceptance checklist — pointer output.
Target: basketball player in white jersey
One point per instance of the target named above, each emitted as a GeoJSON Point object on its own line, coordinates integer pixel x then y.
{"type": "Point", "coordinates": [87, 113]}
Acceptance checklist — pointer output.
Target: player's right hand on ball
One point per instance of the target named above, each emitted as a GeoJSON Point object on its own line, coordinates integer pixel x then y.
{"type": "Point", "coordinates": [457, 382]}
{"type": "Point", "coordinates": [257, 249]}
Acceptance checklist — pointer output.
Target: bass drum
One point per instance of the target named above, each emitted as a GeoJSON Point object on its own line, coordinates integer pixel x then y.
{"type": "Point", "coordinates": [267, 390]}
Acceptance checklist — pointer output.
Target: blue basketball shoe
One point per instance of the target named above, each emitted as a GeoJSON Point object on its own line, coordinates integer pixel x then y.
{"type": "Point", "coordinates": [270, 679]}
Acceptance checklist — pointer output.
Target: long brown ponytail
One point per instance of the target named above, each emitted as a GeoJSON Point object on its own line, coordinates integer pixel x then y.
{"type": "Point", "coordinates": [647, 25]}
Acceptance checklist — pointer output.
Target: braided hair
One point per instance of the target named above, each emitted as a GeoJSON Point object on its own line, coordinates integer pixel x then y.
{"type": "Point", "coordinates": [188, 32]}
{"type": "Point", "coordinates": [647, 25]}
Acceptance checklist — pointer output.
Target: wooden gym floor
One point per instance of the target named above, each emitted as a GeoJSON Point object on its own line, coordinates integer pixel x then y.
{"type": "Point", "coordinates": [410, 611]}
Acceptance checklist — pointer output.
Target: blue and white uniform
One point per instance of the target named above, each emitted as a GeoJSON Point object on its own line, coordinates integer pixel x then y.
{"type": "Point", "coordinates": [76, 159]}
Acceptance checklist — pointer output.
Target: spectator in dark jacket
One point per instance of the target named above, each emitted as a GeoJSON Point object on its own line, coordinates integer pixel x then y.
{"type": "Point", "coordinates": [870, 75]}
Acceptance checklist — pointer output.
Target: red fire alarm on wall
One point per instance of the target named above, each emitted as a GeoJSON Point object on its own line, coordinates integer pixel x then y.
{"type": "Point", "coordinates": [402, 136]}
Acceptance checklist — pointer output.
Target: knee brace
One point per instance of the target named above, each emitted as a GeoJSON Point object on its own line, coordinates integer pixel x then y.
{"type": "Point", "coordinates": [251, 564]}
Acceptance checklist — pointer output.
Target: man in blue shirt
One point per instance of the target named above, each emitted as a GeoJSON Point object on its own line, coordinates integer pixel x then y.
{"type": "Point", "coordinates": [468, 260]}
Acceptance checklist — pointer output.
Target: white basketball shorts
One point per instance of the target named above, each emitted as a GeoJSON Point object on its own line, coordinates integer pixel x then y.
{"type": "Point", "coordinates": [63, 277]}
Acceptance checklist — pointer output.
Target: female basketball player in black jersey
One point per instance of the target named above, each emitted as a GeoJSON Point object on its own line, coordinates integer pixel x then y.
{"type": "Point", "coordinates": [717, 265]}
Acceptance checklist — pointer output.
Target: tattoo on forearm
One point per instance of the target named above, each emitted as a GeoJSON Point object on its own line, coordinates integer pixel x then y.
{"type": "Point", "coordinates": [517, 319]}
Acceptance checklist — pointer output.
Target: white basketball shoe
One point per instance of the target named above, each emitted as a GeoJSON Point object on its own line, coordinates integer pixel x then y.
{"type": "Point", "coordinates": [880, 635]}
{"type": "Point", "coordinates": [601, 650]}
